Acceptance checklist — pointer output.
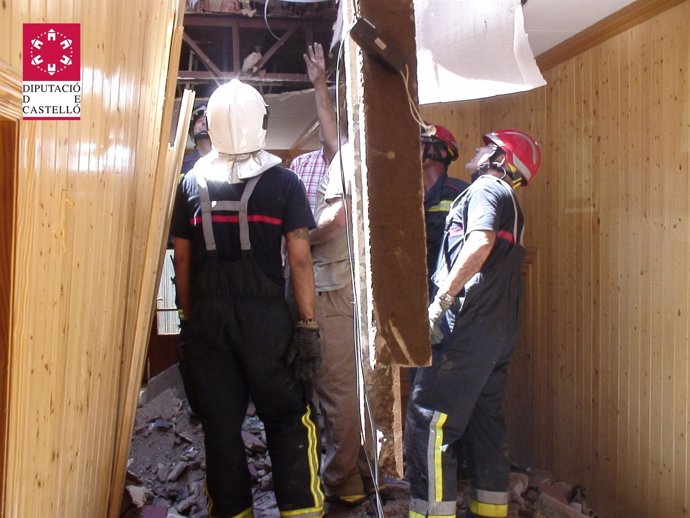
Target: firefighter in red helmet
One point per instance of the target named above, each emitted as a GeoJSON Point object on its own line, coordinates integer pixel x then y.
{"type": "Point", "coordinates": [439, 149]}
{"type": "Point", "coordinates": [473, 321]}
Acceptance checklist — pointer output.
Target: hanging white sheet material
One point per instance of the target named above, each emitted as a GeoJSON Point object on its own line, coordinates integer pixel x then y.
{"type": "Point", "coordinates": [469, 49]}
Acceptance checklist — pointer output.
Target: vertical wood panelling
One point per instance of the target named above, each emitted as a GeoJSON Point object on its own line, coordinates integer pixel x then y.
{"type": "Point", "coordinates": [85, 196]}
{"type": "Point", "coordinates": [608, 216]}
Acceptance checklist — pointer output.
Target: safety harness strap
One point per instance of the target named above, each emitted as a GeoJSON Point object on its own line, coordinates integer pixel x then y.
{"type": "Point", "coordinates": [208, 207]}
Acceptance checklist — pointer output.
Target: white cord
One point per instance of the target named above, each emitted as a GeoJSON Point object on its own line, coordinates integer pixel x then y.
{"type": "Point", "coordinates": [266, 20]}
{"type": "Point", "coordinates": [373, 467]}
{"type": "Point", "coordinates": [405, 74]}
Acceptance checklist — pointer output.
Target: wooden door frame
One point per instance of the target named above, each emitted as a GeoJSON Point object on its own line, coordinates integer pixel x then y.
{"type": "Point", "coordinates": [10, 120]}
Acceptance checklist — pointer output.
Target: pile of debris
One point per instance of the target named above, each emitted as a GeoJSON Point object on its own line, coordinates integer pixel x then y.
{"type": "Point", "coordinates": [167, 466]}
{"type": "Point", "coordinates": [166, 470]}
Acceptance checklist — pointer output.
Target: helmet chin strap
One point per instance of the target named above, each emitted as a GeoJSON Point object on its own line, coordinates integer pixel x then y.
{"type": "Point", "coordinates": [515, 178]}
{"type": "Point", "coordinates": [432, 152]}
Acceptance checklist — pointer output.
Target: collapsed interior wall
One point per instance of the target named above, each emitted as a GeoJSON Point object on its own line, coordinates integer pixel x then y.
{"type": "Point", "coordinates": [389, 242]}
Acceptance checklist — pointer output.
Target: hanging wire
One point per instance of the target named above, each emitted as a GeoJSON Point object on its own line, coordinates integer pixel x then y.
{"type": "Point", "coordinates": [367, 424]}
{"type": "Point", "coordinates": [266, 20]}
{"type": "Point", "coordinates": [362, 395]}
{"type": "Point", "coordinates": [414, 111]}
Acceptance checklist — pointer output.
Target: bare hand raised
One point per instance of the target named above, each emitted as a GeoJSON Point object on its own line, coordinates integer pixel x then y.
{"type": "Point", "coordinates": [316, 65]}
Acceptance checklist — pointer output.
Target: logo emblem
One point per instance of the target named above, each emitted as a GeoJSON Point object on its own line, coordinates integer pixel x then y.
{"type": "Point", "coordinates": [51, 52]}
{"type": "Point", "coordinates": [51, 64]}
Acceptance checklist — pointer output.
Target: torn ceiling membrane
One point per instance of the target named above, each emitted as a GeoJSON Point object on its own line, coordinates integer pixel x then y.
{"type": "Point", "coordinates": [471, 50]}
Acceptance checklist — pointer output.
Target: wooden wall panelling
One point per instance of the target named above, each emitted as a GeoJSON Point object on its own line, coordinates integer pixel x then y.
{"type": "Point", "coordinates": [10, 114]}
{"type": "Point", "coordinates": [629, 296]}
{"type": "Point", "coordinates": [681, 73]}
{"type": "Point", "coordinates": [658, 242]}
{"type": "Point", "coordinates": [637, 455]}
{"type": "Point", "coordinates": [82, 187]}
{"type": "Point", "coordinates": [533, 201]}
{"type": "Point", "coordinates": [519, 407]}
{"type": "Point", "coordinates": [674, 156]}
{"type": "Point", "coordinates": [168, 166]}
{"type": "Point", "coordinates": [145, 278]}
{"type": "Point", "coordinates": [585, 206]}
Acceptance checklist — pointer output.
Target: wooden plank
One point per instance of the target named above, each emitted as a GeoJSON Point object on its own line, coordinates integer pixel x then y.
{"type": "Point", "coordinates": [167, 165]}
{"type": "Point", "coordinates": [8, 163]}
{"type": "Point", "coordinates": [630, 395]}
{"type": "Point", "coordinates": [208, 63]}
{"type": "Point", "coordinates": [673, 49]}
{"type": "Point", "coordinates": [589, 270]}
{"type": "Point", "coordinates": [676, 85]}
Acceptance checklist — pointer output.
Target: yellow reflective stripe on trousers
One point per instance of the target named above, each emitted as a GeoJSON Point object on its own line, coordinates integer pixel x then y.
{"type": "Point", "coordinates": [435, 457]}
{"type": "Point", "coordinates": [313, 456]}
{"type": "Point", "coordinates": [489, 510]}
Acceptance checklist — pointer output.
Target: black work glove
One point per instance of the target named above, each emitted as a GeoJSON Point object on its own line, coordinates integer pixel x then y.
{"type": "Point", "coordinates": [304, 352]}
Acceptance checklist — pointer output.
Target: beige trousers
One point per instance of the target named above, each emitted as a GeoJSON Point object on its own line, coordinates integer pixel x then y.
{"type": "Point", "coordinates": [335, 385]}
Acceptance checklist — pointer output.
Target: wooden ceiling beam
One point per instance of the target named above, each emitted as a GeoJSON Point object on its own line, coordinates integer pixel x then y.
{"type": "Point", "coordinates": [204, 76]}
{"type": "Point", "coordinates": [208, 62]}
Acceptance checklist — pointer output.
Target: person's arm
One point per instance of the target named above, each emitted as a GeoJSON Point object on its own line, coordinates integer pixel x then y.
{"type": "Point", "coordinates": [316, 70]}
{"type": "Point", "coordinates": [182, 261]}
{"type": "Point", "coordinates": [301, 271]}
{"type": "Point", "coordinates": [470, 260]}
{"type": "Point", "coordinates": [331, 222]}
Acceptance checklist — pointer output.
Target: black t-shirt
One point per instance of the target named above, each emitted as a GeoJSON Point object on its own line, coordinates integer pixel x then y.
{"type": "Point", "coordinates": [437, 202]}
{"type": "Point", "coordinates": [278, 205]}
{"type": "Point", "coordinates": [488, 204]}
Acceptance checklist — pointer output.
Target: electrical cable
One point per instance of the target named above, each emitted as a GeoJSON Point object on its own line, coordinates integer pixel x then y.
{"type": "Point", "coordinates": [266, 20]}
{"type": "Point", "coordinates": [405, 74]}
{"type": "Point", "coordinates": [362, 396]}
{"type": "Point", "coordinates": [367, 424]}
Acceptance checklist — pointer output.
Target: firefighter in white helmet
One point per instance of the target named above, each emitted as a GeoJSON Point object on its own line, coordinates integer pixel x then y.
{"type": "Point", "coordinates": [232, 211]}
{"type": "Point", "coordinates": [474, 320]}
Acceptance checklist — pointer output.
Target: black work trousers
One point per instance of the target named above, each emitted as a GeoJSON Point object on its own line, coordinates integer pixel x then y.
{"type": "Point", "coordinates": [460, 396]}
{"type": "Point", "coordinates": [238, 334]}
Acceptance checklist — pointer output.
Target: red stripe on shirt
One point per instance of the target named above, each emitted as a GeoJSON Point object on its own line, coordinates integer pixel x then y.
{"type": "Point", "coordinates": [508, 236]}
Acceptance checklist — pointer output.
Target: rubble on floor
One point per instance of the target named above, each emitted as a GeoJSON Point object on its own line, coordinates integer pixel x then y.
{"type": "Point", "coordinates": [166, 470]}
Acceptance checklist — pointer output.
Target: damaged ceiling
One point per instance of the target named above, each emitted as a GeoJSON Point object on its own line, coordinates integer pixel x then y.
{"type": "Point", "coordinates": [263, 43]}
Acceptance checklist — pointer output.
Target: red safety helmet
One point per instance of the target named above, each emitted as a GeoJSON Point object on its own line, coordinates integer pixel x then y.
{"type": "Point", "coordinates": [523, 154]}
{"type": "Point", "coordinates": [436, 134]}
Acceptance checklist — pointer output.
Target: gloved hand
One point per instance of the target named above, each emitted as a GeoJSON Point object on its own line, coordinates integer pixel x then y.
{"type": "Point", "coordinates": [437, 309]}
{"type": "Point", "coordinates": [304, 352]}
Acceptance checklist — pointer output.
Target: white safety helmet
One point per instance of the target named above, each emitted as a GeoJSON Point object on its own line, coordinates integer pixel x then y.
{"type": "Point", "coordinates": [237, 119]}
